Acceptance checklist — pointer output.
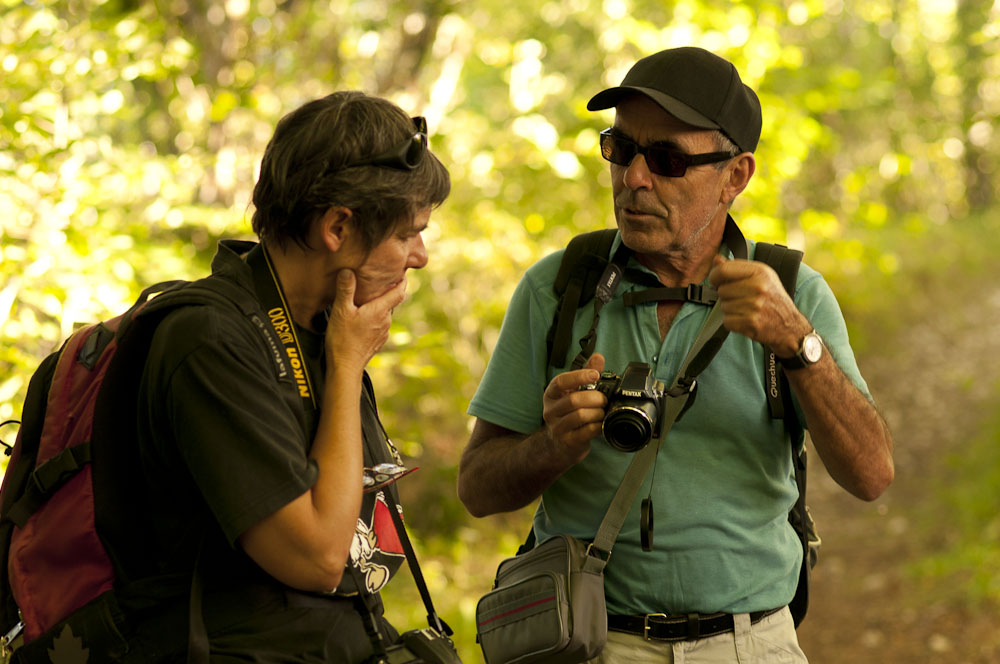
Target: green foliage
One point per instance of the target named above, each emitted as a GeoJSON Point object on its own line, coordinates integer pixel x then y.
{"type": "Point", "coordinates": [130, 133]}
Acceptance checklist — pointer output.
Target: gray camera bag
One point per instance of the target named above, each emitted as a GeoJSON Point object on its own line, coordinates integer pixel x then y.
{"type": "Point", "coordinates": [548, 605]}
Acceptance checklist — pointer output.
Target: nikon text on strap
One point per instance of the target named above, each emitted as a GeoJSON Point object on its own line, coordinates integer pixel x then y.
{"type": "Point", "coordinates": [272, 300]}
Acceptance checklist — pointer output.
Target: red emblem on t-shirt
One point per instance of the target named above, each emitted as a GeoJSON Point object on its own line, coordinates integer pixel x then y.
{"type": "Point", "coordinates": [377, 546]}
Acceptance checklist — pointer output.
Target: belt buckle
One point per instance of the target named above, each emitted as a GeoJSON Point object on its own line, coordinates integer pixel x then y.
{"type": "Point", "coordinates": [645, 623]}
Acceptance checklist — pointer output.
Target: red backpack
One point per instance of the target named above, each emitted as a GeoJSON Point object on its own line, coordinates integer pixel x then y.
{"type": "Point", "coordinates": [71, 515]}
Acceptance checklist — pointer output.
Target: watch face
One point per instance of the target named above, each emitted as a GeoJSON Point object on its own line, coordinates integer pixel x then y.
{"type": "Point", "coordinates": [812, 348]}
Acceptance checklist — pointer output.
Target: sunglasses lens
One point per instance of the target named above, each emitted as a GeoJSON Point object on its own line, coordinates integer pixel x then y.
{"type": "Point", "coordinates": [665, 162]}
{"type": "Point", "coordinates": [415, 150]}
{"type": "Point", "coordinates": [617, 150]}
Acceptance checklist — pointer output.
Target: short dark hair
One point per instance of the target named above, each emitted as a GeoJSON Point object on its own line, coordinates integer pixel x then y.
{"type": "Point", "coordinates": [302, 174]}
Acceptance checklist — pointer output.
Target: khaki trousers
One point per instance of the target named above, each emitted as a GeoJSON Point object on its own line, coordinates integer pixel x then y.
{"type": "Point", "coordinates": [770, 641]}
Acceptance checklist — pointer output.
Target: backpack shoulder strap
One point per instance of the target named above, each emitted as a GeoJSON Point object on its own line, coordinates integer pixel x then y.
{"type": "Point", "coordinates": [19, 473]}
{"type": "Point", "coordinates": [582, 264]}
{"type": "Point", "coordinates": [785, 262]}
{"type": "Point", "coordinates": [208, 290]}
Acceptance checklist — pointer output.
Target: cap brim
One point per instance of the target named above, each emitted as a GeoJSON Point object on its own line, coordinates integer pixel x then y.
{"type": "Point", "coordinates": [612, 96]}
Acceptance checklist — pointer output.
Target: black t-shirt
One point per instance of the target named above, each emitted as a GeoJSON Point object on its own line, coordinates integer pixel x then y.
{"type": "Point", "coordinates": [224, 440]}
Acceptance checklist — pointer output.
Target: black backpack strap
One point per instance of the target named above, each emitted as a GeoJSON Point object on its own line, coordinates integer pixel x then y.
{"type": "Point", "coordinates": [582, 264]}
{"type": "Point", "coordinates": [786, 263]}
{"type": "Point", "coordinates": [691, 293]}
{"type": "Point", "coordinates": [804, 527]}
{"type": "Point", "coordinates": [48, 478]}
{"type": "Point", "coordinates": [784, 260]}
{"type": "Point", "coordinates": [18, 475]}
{"type": "Point", "coordinates": [22, 464]}
{"type": "Point", "coordinates": [174, 294]}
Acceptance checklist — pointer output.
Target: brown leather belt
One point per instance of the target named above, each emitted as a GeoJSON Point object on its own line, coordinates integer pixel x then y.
{"type": "Point", "coordinates": [663, 627]}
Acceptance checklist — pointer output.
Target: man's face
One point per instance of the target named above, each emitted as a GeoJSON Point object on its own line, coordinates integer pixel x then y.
{"type": "Point", "coordinates": [656, 214]}
{"type": "Point", "coordinates": [385, 266]}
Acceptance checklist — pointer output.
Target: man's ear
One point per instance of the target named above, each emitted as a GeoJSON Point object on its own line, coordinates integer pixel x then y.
{"type": "Point", "coordinates": [334, 227]}
{"type": "Point", "coordinates": [740, 170]}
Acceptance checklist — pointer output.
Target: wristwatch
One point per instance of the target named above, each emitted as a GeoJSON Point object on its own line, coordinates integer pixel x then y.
{"type": "Point", "coordinates": [809, 352]}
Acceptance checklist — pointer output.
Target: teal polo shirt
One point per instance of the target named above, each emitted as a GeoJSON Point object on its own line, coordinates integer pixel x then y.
{"type": "Point", "coordinates": [723, 481]}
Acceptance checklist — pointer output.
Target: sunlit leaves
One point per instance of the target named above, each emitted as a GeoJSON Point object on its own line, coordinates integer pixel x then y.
{"type": "Point", "coordinates": [130, 136]}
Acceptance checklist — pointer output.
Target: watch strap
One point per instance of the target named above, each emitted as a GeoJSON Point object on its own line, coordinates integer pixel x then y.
{"type": "Point", "coordinates": [793, 362]}
{"type": "Point", "coordinates": [799, 360]}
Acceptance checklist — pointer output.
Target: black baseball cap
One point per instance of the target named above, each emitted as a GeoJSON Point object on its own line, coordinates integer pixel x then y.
{"type": "Point", "coordinates": [695, 86]}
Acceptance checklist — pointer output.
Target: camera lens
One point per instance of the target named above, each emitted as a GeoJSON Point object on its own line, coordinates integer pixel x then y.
{"type": "Point", "coordinates": [629, 427]}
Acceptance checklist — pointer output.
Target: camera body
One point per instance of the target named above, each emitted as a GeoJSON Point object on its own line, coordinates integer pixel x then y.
{"type": "Point", "coordinates": [421, 646]}
{"type": "Point", "coordinates": [635, 406]}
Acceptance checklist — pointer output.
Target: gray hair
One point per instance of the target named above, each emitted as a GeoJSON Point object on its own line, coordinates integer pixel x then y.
{"type": "Point", "coordinates": [725, 144]}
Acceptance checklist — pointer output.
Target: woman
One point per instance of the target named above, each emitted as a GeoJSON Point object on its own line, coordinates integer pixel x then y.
{"type": "Point", "coordinates": [252, 442]}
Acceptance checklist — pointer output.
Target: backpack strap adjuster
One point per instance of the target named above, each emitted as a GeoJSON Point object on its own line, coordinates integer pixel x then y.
{"type": "Point", "coordinates": [694, 292]}
{"type": "Point", "coordinates": [46, 480]}
{"type": "Point", "coordinates": [56, 471]}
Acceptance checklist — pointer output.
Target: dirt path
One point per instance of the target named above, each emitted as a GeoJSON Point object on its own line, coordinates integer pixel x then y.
{"type": "Point", "coordinates": [936, 382]}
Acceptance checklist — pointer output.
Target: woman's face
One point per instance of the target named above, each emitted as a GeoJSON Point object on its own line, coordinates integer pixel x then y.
{"type": "Point", "coordinates": [381, 269]}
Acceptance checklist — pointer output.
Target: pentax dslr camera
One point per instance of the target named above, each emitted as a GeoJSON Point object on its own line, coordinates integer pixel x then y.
{"type": "Point", "coordinates": [635, 406]}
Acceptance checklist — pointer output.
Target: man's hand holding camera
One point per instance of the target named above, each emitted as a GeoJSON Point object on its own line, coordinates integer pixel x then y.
{"type": "Point", "coordinates": [573, 416]}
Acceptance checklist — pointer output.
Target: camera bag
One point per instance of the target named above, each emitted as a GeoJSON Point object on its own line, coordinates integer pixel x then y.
{"type": "Point", "coordinates": [547, 603]}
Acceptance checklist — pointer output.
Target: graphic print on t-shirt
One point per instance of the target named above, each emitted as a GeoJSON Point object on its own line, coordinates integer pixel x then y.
{"type": "Point", "coordinates": [376, 551]}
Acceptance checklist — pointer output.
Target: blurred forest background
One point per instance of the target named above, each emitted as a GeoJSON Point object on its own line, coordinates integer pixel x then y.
{"type": "Point", "coordinates": [131, 132]}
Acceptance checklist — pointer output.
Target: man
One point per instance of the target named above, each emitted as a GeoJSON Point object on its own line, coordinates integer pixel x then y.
{"type": "Point", "coordinates": [255, 428]}
{"type": "Point", "coordinates": [681, 150]}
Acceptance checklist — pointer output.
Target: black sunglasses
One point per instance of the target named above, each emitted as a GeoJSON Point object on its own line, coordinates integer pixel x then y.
{"type": "Point", "coordinates": [659, 159]}
{"type": "Point", "coordinates": [406, 156]}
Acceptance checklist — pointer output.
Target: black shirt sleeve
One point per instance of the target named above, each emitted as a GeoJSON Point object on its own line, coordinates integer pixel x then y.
{"type": "Point", "coordinates": [217, 404]}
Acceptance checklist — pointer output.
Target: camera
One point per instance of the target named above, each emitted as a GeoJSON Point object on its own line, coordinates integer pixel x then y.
{"type": "Point", "coordinates": [420, 646]}
{"type": "Point", "coordinates": [635, 406]}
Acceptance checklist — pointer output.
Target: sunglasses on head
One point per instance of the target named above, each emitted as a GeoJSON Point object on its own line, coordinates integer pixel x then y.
{"type": "Point", "coordinates": [660, 159]}
{"type": "Point", "coordinates": [405, 156]}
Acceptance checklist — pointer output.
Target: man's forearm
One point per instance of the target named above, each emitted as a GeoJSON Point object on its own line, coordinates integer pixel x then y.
{"type": "Point", "coordinates": [849, 434]}
{"type": "Point", "coordinates": [502, 470]}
